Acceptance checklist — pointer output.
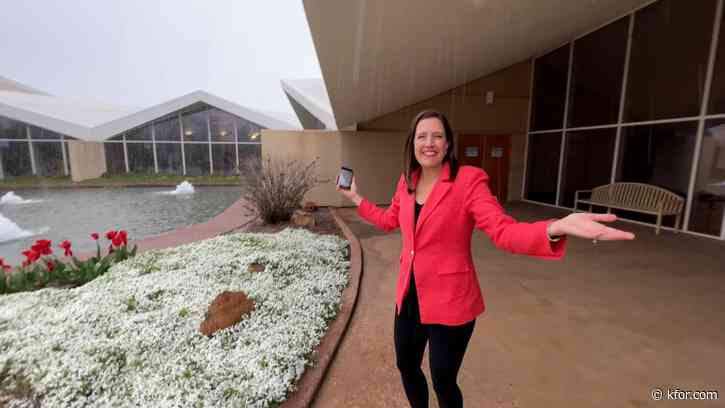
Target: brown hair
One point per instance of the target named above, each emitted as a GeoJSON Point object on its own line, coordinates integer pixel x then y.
{"type": "Point", "coordinates": [411, 163]}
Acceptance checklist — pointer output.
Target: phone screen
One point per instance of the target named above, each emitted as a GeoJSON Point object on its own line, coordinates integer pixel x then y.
{"type": "Point", "coordinates": [345, 180]}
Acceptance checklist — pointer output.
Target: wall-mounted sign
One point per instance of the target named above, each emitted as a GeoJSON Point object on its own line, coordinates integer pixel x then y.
{"type": "Point", "coordinates": [497, 152]}
{"type": "Point", "coordinates": [471, 151]}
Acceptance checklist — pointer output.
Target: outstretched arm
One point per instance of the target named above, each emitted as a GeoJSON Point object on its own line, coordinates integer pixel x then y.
{"type": "Point", "coordinates": [385, 219]}
{"type": "Point", "coordinates": [505, 232]}
{"type": "Point", "coordinates": [533, 238]}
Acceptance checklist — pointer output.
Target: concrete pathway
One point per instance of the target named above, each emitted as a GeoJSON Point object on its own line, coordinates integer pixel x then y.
{"type": "Point", "coordinates": [602, 328]}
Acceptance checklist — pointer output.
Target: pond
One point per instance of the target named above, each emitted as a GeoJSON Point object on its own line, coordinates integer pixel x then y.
{"type": "Point", "coordinates": [74, 213]}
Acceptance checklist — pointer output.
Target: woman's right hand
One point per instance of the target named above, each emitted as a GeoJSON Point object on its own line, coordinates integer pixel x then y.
{"type": "Point", "coordinates": [350, 194]}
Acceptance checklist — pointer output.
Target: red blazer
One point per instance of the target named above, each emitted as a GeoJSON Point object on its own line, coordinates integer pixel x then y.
{"type": "Point", "coordinates": [438, 247]}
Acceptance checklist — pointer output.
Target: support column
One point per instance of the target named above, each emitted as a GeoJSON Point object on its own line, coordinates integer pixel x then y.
{"type": "Point", "coordinates": [32, 154]}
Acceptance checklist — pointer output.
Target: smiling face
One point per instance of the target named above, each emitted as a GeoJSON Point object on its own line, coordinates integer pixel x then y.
{"type": "Point", "coordinates": [430, 144]}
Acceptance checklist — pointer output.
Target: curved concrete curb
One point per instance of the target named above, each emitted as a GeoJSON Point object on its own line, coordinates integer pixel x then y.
{"type": "Point", "coordinates": [313, 377]}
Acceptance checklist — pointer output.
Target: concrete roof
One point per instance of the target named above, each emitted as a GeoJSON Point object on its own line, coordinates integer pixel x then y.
{"type": "Point", "coordinates": [310, 94]}
{"type": "Point", "coordinates": [95, 121]}
{"type": "Point", "coordinates": [378, 56]}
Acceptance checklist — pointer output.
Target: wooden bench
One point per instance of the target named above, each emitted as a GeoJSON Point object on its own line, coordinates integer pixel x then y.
{"type": "Point", "coordinates": [644, 198]}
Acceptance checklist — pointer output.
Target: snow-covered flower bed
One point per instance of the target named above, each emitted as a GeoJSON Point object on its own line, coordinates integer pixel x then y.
{"type": "Point", "coordinates": [131, 337]}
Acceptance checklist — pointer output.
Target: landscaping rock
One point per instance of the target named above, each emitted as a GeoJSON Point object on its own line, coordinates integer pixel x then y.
{"type": "Point", "coordinates": [310, 206]}
{"type": "Point", "coordinates": [226, 310]}
{"type": "Point", "coordinates": [255, 267]}
{"type": "Point", "coordinates": [303, 218]}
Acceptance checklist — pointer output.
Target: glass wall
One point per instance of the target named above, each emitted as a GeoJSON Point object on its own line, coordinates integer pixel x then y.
{"type": "Point", "coordinates": [660, 72]}
{"type": "Point", "coordinates": [27, 150]}
{"type": "Point", "coordinates": [708, 199]}
{"type": "Point", "coordinates": [659, 155]}
{"type": "Point", "coordinates": [670, 47]}
{"type": "Point", "coordinates": [225, 158]}
{"type": "Point", "coordinates": [550, 75]}
{"type": "Point", "coordinates": [197, 159]}
{"type": "Point", "coordinates": [596, 77]}
{"type": "Point", "coordinates": [588, 156]}
{"type": "Point", "coordinates": [169, 158]}
{"type": "Point", "coordinates": [183, 142]}
{"type": "Point", "coordinates": [140, 157]}
{"type": "Point", "coordinates": [115, 158]}
{"type": "Point", "coordinates": [15, 159]}
{"type": "Point", "coordinates": [542, 168]}
{"type": "Point", "coordinates": [48, 158]}
{"type": "Point", "coordinates": [194, 121]}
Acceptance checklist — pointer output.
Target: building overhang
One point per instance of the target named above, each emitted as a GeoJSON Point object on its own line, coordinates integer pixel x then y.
{"type": "Point", "coordinates": [379, 56]}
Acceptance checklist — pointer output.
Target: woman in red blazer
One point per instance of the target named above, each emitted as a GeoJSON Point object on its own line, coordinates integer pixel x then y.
{"type": "Point", "coordinates": [436, 205]}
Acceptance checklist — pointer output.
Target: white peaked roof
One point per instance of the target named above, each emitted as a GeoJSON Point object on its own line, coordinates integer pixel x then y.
{"type": "Point", "coordinates": [68, 116]}
{"type": "Point", "coordinates": [119, 125]}
{"type": "Point", "coordinates": [7, 84]}
{"type": "Point", "coordinates": [94, 121]}
{"type": "Point", "coordinates": [311, 94]}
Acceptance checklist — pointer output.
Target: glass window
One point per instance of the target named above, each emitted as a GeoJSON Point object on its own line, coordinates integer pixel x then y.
{"type": "Point", "coordinates": [248, 152]}
{"type": "Point", "coordinates": [670, 46]}
{"type": "Point", "coordinates": [660, 155]}
{"type": "Point", "coordinates": [550, 72]}
{"type": "Point", "coordinates": [48, 158]}
{"type": "Point", "coordinates": [140, 157]}
{"type": "Point", "coordinates": [12, 129]}
{"type": "Point", "coordinates": [225, 159]}
{"type": "Point", "coordinates": [222, 126]}
{"type": "Point", "coordinates": [597, 73]}
{"type": "Point", "coordinates": [140, 133]}
{"type": "Point", "coordinates": [37, 133]}
{"type": "Point", "coordinates": [169, 157]}
{"type": "Point", "coordinates": [194, 121]}
{"type": "Point", "coordinates": [588, 159]}
{"type": "Point", "coordinates": [15, 159]}
{"type": "Point", "coordinates": [248, 131]}
{"type": "Point", "coordinates": [197, 159]}
{"type": "Point", "coordinates": [708, 199]}
{"type": "Point", "coordinates": [117, 138]}
{"type": "Point", "coordinates": [717, 89]}
{"type": "Point", "coordinates": [167, 129]}
{"type": "Point", "coordinates": [542, 169]}
{"type": "Point", "coordinates": [115, 162]}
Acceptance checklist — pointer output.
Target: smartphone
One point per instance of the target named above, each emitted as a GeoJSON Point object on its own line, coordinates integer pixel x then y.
{"type": "Point", "coordinates": [344, 181]}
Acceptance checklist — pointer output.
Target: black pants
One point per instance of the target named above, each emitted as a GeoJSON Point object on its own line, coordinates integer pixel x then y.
{"type": "Point", "coordinates": [447, 345]}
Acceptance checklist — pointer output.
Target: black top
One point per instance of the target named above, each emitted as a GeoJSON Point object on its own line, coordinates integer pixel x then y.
{"type": "Point", "coordinates": [410, 302]}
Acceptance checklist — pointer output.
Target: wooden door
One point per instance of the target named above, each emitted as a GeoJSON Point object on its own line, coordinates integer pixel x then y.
{"type": "Point", "coordinates": [497, 154]}
{"type": "Point", "coordinates": [470, 150]}
{"type": "Point", "coordinates": [491, 153]}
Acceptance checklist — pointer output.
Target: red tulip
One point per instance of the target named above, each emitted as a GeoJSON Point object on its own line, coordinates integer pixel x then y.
{"type": "Point", "coordinates": [110, 235]}
{"type": "Point", "coordinates": [5, 266]}
{"type": "Point", "coordinates": [123, 235]}
{"type": "Point", "coordinates": [31, 256]}
{"type": "Point", "coordinates": [94, 236]}
{"type": "Point", "coordinates": [42, 246]}
{"type": "Point", "coordinates": [50, 266]}
{"type": "Point", "coordinates": [66, 247]}
{"type": "Point", "coordinates": [117, 241]}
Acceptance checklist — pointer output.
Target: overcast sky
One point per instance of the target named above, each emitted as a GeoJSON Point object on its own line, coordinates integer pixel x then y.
{"type": "Point", "coordinates": [143, 52]}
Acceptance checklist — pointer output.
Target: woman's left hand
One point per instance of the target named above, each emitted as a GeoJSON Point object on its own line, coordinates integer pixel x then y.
{"type": "Point", "coordinates": [587, 225]}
